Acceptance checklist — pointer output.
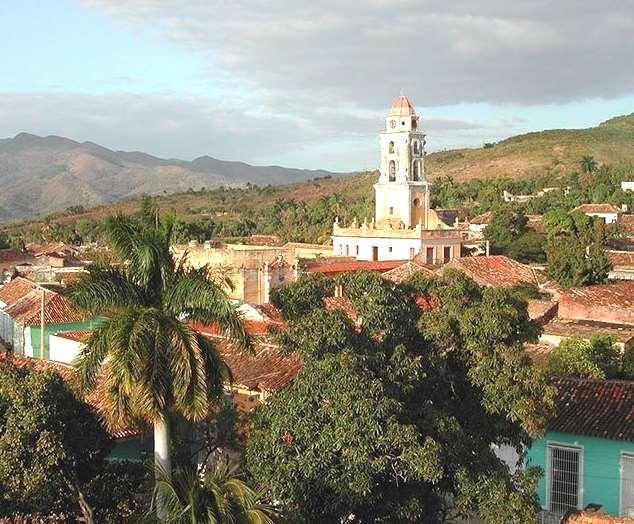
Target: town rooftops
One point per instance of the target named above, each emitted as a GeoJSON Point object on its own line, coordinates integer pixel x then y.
{"type": "Point", "coordinates": [598, 209]}
{"type": "Point", "coordinates": [621, 259]}
{"type": "Point", "coordinates": [619, 294]}
{"type": "Point", "coordinates": [57, 309]}
{"type": "Point", "coordinates": [266, 370]}
{"type": "Point", "coordinates": [495, 271]}
{"type": "Point", "coordinates": [13, 291]}
{"type": "Point", "coordinates": [406, 270]}
{"type": "Point", "coordinates": [560, 328]}
{"type": "Point", "coordinates": [336, 265]}
{"type": "Point", "coordinates": [482, 219]}
{"type": "Point", "coordinates": [595, 408]}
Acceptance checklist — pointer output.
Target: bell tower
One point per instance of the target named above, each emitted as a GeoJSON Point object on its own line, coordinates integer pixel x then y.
{"type": "Point", "coordinates": [402, 192]}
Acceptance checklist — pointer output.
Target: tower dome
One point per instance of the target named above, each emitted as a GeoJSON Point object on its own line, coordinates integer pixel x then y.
{"type": "Point", "coordinates": [402, 107]}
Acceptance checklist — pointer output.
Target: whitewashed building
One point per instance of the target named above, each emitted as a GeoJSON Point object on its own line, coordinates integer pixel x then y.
{"type": "Point", "coordinates": [404, 225]}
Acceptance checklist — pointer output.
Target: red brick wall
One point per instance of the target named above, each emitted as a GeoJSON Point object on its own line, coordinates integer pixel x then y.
{"type": "Point", "coordinates": [570, 308]}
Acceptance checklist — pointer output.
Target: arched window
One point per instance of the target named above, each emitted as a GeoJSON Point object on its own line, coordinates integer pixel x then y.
{"type": "Point", "coordinates": [391, 147]}
{"type": "Point", "coordinates": [416, 147]}
{"type": "Point", "coordinates": [416, 173]}
{"type": "Point", "coordinates": [392, 171]}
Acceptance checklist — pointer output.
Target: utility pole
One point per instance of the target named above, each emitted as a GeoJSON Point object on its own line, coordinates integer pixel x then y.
{"type": "Point", "coordinates": [42, 325]}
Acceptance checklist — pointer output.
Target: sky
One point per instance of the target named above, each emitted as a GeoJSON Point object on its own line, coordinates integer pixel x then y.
{"type": "Point", "coordinates": [307, 84]}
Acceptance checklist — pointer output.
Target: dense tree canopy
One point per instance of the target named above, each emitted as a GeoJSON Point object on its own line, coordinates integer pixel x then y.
{"type": "Point", "coordinates": [52, 452]}
{"type": "Point", "coordinates": [387, 419]}
{"type": "Point", "coordinates": [598, 357]}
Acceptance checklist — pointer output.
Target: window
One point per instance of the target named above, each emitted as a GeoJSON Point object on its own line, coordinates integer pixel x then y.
{"type": "Point", "coordinates": [627, 485]}
{"type": "Point", "coordinates": [416, 151]}
{"type": "Point", "coordinates": [429, 255]}
{"type": "Point", "coordinates": [564, 478]}
{"type": "Point", "coordinates": [416, 170]}
{"type": "Point", "coordinates": [391, 148]}
{"type": "Point", "coordinates": [389, 249]}
{"type": "Point", "coordinates": [446, 254]}
{"type": "Point", "coordinates": [392, 171]}
{"type": "Point", "coordinates": [347, 251]}
{"type": "Point", "coordinates": [391, 210]}
{"type": "Point", "coordinates": [412, 252]}
{"type": "Point", "coordinates": [357, 249]}
{"type": "Point", "coordinates": [416, 202]}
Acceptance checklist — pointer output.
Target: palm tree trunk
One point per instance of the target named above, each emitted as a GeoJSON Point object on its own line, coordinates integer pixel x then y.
{"type": "Point", "coordinates": [162, 459]}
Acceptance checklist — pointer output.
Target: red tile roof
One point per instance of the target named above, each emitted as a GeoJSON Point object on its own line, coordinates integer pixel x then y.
{"type": "Point", "coordinates": [57, 309]}
{"type": "Point", "coordinates": [404, 271]}
{"type": "Point", "coordinates": [541, 311]}
{"type": "Point", "coordinates": [76, 336]}
{"type": "Point", "coordinates": [620, 295]}
{"type": "Point", "coordinates": [495, 271]}
{"type": "Point", "coordinates": [597, 208]}
{"type": "Point", "coordinates": [13, 291]}
{"type": "Point", "coordinates": [334, 267]}
{"type": "Point", "coordinates": [624, 259]}
{"type": "Point", "coordinates": [596, 408]}
{"type": "Point", "coordinates": [267, 370]}
{"type": "Point", "coordinates": [482, 219]}
{"type": "Point", "coordinates": [254, 328]}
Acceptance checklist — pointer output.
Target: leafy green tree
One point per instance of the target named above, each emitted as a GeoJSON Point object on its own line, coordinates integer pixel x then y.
{"type": "Point", "coordinates": [505, 227]}
{"type": "Point", "coordinates": [576, 357]}
{"type": "Point", "coordinates": [386, 421]}
{"type": "Point", "coordinates": [152, 363]}
{"type": "Point", "coordinates": [305, 295]}
{"type": "Point", "coordinates": [51, 445]}
{"type": "Point", "coordinates": [217, 495]}
{"type": "Point", "coordinates": [588, 164]}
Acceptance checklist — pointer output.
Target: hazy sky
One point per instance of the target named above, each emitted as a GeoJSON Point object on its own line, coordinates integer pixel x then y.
{"type": "Point", "coordinates": [307, 83]}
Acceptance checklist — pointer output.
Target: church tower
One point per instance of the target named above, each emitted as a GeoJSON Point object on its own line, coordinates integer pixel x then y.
{"type": "Point", "coordinates": [402, 191]}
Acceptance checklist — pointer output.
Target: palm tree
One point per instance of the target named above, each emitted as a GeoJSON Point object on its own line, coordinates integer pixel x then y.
{"type": "Point", "coordinates": [216, 495]}
{"type": "Point", "coordinates": [149, 363]}
{"type": "Point", "coordinates": [588, 164]}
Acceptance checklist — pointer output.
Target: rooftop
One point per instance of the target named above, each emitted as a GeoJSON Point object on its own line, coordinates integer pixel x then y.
{"type": "Point", "coordinates": [406, 270]}
{"type": "Point", "coordinates": [597, 208]}
{"type": "Point", "coordinates": [622, 259]}
{"type": "Point", "coordinates": [79, 335]}
{"type": "Point", "coordinates": [484, 218]}
{"type": "Point", "coordinates": [13, 291]}
{"type": "Point", "coordinates": [561, 327]}
{"type": "Point", "coordinates": [57, 309]}
{"type": "Point", "coordinates": [595, 408]}
{"type": "Point", "coordinates": [266, 370]}
{"type": "Point", "coordinates": [541, 310]}
{"type": "Point", "coordinates": [402, 107]}
{"type": "Point", "coordinates": [338, 265]}
{"type": "Point", "coordinates": [495, 271]}
{"type": "Point", "coordinates": [619, 295]}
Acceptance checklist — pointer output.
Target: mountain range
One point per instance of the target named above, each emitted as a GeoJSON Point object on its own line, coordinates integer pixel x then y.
{"type": "Point", "coordinates": [41, 175]}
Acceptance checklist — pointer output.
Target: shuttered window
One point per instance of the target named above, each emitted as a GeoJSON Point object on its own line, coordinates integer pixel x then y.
{"type": "Point", "coordinates": [564, 478]}
{"type": "Point", "coordinates": [627, 485]}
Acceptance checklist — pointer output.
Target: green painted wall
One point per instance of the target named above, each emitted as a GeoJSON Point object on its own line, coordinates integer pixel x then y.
{"type": "Point", "coordinates": [51, 329]}
{"type": "Point", "coordinates": [601, 467]}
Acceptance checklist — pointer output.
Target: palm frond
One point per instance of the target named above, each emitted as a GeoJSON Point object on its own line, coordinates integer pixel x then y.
{"type": "Point", "coordinates": [102, 289]}
{"type": "Point", "coordinates": [197, 297]}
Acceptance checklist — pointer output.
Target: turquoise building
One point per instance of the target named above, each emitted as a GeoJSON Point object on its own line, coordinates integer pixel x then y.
{"type": "Point", "coordinates": [587, 455]}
